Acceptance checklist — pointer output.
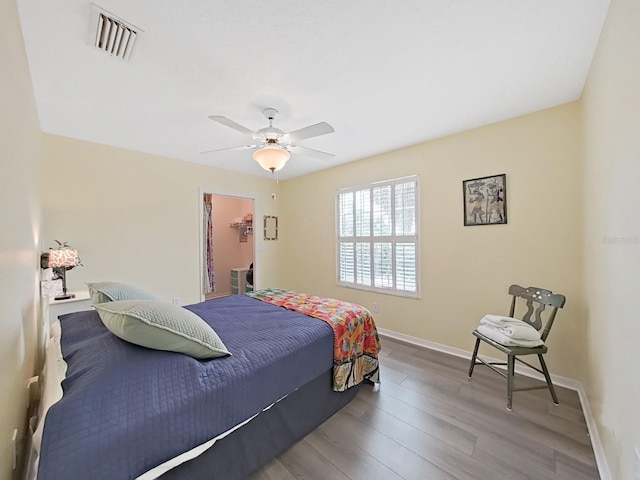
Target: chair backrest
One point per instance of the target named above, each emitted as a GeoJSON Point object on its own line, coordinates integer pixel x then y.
{"type": "Point", "coordinates": [537, 299]}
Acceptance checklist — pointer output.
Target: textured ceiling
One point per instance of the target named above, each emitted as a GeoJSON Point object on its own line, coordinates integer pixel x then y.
{"type": "Point", "coordinates": [384, 74]}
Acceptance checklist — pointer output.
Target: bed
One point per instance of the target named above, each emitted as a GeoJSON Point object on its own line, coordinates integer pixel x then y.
{"type": "Point", "coordinates": [132, 412]}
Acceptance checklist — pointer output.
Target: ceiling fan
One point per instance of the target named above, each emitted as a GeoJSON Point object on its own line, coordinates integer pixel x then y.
{"type": "Point", "coordinates": [274, 147]}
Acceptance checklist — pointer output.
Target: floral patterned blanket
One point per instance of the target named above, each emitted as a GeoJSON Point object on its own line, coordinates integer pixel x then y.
{"type": "Point", "coordinates": [356, 343]}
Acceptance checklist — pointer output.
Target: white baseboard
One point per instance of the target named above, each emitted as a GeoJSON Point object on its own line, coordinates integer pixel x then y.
{"type": "Point", "coordinates": [570, 383]}
{"type": "Point", "coordinates": [598, 449]}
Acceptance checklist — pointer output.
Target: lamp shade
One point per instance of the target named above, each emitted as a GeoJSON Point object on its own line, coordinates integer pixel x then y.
{"type": "Point", "coordinates": [271, 157]}
{"type": "Point", "coordinates": [63, 257]}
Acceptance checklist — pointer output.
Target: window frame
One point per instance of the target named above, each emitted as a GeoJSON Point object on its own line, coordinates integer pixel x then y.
{"type": "Point", "coordinates": [354, 239]}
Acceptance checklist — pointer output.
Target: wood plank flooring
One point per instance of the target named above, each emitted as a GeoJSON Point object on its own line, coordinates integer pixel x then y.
{"type": "Point", "coordinates": [428, 420]}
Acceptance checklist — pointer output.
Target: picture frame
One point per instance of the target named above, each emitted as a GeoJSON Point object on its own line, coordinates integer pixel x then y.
{"type": "Point", "coordinates": [270, 227]}
{"type": "Point", "coordinates": [485, 200]}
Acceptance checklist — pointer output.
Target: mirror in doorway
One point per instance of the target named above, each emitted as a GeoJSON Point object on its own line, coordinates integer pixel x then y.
{"type": "Point", "coordinates": [270, 227]}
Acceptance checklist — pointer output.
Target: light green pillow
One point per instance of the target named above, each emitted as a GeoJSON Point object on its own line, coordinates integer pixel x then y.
{"type": "Point", "coordinates": [161, 326]}
{"type": "Point", "coordinates": [102, 292]}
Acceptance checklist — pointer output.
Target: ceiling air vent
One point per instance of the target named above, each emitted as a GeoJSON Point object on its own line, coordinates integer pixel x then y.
{"type": "Point", "coordinates": [112, 34]}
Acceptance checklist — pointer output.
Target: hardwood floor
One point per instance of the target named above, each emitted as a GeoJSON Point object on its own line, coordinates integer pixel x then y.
{"type": "Point", "coordinates": [428, 420]}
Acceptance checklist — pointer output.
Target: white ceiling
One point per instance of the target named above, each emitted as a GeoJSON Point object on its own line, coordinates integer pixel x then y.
{"type": "Point", "coordinates": [384, 74]}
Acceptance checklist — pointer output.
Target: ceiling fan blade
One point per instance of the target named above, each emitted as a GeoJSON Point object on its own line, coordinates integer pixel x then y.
{"type": "Point", "coordinates": [310, 152]}
{"type": "Point", "coordinates": [230, 123]}
{"type": "Point", "coordinates": [316, 130]}
{"type": "Point", "coordinates": [242, 147]}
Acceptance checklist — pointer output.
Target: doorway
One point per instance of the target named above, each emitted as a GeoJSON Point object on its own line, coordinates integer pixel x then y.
{"type": "Point", "coordinates": [227, 241]}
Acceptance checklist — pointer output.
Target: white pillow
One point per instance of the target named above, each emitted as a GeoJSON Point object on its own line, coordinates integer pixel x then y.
{"type": "Point", "coordinates": [102, 292]}
{"type": "Point", "coordinates": [162, 326]}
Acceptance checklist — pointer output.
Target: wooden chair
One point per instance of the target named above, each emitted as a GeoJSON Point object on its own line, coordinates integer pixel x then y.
{"type": "Point", "coordinates": [536, 300]}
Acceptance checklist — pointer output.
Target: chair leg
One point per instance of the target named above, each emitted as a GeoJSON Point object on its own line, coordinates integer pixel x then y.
{"type": "Point", "coordinates": [548, 378]}
{"type": "Point", "coordinates": [473, 357]}
{"type": "Point", "coordinates": [511, 360]}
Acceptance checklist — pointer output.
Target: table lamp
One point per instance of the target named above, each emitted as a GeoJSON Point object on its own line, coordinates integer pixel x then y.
{"type": "Point", "coordinates": [63, 259]}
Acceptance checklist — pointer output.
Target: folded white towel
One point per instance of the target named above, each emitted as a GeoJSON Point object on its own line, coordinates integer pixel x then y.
{"type": "Point", "coordinates": [501, 320]}
{"type": "Point", "coordinates": [511, 327]}
{"type": "Point", "coordinates": [519, 332]}
{"type": "Point", "coordinates": [501, 338]}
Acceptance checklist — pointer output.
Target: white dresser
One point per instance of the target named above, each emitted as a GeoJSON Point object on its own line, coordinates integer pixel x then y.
{"type": "Point", "coordinates": [239, 280]}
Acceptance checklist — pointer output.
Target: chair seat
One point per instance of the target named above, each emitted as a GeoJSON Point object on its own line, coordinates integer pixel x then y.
{"type": "Point", "coordinates": [511, 349]}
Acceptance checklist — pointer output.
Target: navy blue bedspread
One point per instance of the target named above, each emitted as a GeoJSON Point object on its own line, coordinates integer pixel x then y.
{"type": "Point", "coordinates": [127, 408]}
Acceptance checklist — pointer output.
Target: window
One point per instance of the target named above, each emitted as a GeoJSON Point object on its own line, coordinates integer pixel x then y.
{"type": "Point", "coordinates": [377, 237]}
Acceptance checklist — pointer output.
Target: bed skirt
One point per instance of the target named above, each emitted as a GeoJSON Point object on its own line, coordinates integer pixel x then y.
{"type": "Point", "coordinates": [267, 435]}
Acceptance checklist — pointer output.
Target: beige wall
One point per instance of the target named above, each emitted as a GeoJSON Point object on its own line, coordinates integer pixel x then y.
{"type": "Point", "coordinates": [20, 159]}
{"type": "Point", "coordinates": [465, 271]}
{"type": "Point", "coordinates": [135, 217]}
{"type": "Point", "coordinates": [611, 106]}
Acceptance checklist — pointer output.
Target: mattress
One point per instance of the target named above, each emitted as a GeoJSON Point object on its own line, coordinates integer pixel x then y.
{"type": "Point", "coordinates": [127, 409]}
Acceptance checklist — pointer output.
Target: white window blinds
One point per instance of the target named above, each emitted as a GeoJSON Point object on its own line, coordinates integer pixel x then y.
{"type": "Point", "coordinates": [377, 237]}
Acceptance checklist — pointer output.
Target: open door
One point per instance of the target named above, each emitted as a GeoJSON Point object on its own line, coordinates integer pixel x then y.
{"type": "Point", "coordinates": [227, 244]}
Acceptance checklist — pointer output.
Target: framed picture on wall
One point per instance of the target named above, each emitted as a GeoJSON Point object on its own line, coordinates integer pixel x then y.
{"type": "Point", "coordinates": [485, 200]}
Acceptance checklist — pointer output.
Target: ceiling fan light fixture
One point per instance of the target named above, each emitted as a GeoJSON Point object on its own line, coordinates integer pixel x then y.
{"type": "Point", "coordinates": [271, 157]}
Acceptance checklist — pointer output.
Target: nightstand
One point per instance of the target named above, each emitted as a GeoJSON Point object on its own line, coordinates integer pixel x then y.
{"type": "Point", "coordinates": [81, 301]}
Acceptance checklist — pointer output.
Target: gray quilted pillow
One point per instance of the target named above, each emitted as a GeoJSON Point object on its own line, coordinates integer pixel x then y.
{"type": "Point", "coordinates": [161, 326]}
{"type": "Point", "coordinates": [102, 292]}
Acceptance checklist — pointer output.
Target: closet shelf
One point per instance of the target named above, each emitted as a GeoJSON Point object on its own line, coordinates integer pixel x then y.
{"type": "Point", "coordinates": [244, 228]}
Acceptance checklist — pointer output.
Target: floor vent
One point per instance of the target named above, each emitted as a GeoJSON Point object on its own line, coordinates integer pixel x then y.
{"type": "Point", "coordinates": [112, 35]}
